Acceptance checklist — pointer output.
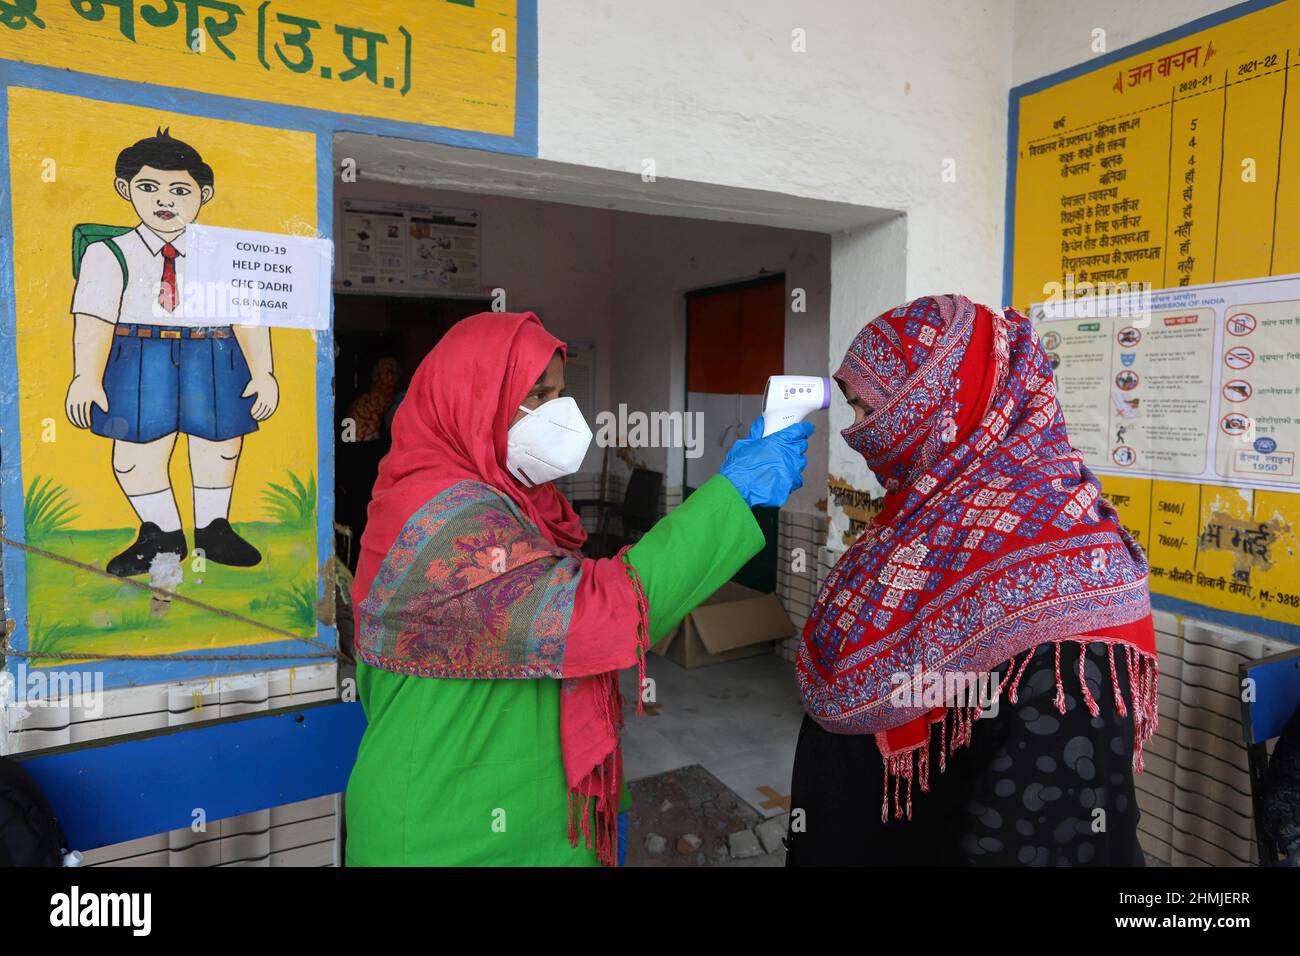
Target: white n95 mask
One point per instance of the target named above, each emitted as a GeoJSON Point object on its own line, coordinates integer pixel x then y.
{"type": "Point", "coordinates": [547, 443]}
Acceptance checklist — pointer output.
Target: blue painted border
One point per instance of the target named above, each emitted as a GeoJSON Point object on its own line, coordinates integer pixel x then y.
{"type": "Point", "coordinates": [151, 783]}
{"type": "Point", "coordinates": [1278, 630]}
{"type": "Point", "coordinates": [324, 125]}
{"type": "Point", "coordinates": [1244, 622]}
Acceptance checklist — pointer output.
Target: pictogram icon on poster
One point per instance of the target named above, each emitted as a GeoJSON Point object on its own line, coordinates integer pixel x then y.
{"type": "Point", "coordinates": [1235, 423]}
{"type": "Point", "coordinates": [1238, 390]}
{"type": "Point", "coordinates": [1124, 455]}
{"type": "Point", "coordinates": [1239, 357]}
{"type": "Point", "coordinates": [1128, 336]}
{"type": "Point", "coordinates": [1242, 323]}
{"type": "Point", "coordinates": [1126, 381]}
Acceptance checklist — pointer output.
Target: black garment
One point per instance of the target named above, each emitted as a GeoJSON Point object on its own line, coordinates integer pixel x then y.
{"type": "Point", "coordinates": [357, 469]}
{"type": "Point", "coordinates": [1279, 801]}
{"type": "Point", "coordinates": [1023, 792]}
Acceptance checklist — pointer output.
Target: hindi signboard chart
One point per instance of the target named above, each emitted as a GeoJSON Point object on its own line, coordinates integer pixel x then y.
{"type": "Point", "coordinates": [1175, 165]}
{"type": "Point", "coordinates": [446, 63]}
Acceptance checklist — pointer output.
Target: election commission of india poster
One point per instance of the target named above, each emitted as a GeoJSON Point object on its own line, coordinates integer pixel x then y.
{"type": "Point", "coordinates": [1175, 168]}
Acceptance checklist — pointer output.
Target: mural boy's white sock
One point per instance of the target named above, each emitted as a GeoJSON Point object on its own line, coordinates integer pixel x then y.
{"type": "Point", "coordinates": [210, 504]}
{"type": "Point", "coordinates": [158, 507]}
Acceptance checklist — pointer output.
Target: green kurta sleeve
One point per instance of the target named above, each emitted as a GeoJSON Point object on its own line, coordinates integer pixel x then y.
{"type": "Point", "coordinates": [693, 551]}
{"type": "Point", "coordinates": [471, 772]}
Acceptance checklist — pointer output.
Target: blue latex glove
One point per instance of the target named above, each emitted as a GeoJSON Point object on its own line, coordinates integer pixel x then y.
{"type": "Point", "coordinates": [767, 470]}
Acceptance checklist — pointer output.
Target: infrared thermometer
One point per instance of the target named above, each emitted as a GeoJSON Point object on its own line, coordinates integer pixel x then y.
{"type": "Point", "coordinates": [791, 398]}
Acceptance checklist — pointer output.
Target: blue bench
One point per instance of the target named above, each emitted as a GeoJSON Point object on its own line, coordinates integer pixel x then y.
{"type": "Point", "coordinates": [1277, 694]}
{"type": "Point", "coordinates": [151, 782]}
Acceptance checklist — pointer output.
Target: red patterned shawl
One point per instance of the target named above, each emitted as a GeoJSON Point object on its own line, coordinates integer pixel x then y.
{"type": "Point", "coordinates": [993, 539]}
{"type": "Point", "coordinates": [465, 573]}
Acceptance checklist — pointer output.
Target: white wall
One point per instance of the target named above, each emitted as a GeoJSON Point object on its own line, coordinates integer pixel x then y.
{"type": "Point", "coordinates": [1051, 35]}
{"type": "Point", "coordinates": [713, 93]}
{"type": "Point", "coordinates": [883, 95]}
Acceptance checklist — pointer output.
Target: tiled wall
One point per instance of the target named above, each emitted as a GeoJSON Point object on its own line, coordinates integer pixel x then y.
{"type": "Point", "coordinates": [298, 834]}
{"type": "Point", "coordinates": [802, 563]}
{"type": "Point", "coordinates": [1195, 791]}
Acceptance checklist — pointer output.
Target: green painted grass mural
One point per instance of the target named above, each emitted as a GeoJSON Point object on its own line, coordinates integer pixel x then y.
{"type": "Point", "coordinates": [72, 611]}
{"type": "Point", "coordinates": [47, 509]}
{"type": "Point", "coordinates": [294, 504]}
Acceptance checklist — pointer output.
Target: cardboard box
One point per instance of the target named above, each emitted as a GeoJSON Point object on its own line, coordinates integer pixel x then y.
{"type": "Point", "coordinates": [734, 622]}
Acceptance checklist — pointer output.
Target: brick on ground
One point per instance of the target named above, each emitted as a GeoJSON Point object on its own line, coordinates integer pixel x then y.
{"type": "Point", "coordinates": [744, 844]}
{"type": "Point", "coordinates": [771, 832]}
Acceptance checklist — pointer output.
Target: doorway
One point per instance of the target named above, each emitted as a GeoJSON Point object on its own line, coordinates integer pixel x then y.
{"type": "Point", "coordinates": [653, 286]}
{"type": "Point", "coordinates": [735, 339]}
{"type": "Point", "coordinates": [379, 342]}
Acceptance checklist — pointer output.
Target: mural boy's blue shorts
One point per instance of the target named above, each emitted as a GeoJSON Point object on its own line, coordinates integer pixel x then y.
{"type": "Point", "coordinates": [160, 380]}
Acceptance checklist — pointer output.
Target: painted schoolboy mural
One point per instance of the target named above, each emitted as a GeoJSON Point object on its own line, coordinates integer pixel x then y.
{"type": "Point", "coordinates": [141, 376]}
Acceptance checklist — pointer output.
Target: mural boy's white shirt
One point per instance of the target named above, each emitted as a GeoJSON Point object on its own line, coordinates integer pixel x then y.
{"type": "Point", "coordinates": [100, 291]}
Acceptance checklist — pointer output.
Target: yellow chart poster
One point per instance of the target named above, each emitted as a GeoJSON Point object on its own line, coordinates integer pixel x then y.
{"type": "Point", "coordinates": [1174, 164]}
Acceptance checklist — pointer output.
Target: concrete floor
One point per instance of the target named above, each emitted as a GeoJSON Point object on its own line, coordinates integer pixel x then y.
{"type": "Point", "coordinates": [739, 720]}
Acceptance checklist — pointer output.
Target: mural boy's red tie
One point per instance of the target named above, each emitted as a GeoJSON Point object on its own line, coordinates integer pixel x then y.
{"type": "Point", "coordinates": [167, 297]}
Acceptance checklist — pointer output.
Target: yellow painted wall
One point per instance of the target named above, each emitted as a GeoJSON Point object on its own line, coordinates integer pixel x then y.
{"type": "Point", "coordinates": [62, 155]}
{"type": "Point", "coordinates": [265, 180]}
{"type": "Point", "coordinates": [462, 58]}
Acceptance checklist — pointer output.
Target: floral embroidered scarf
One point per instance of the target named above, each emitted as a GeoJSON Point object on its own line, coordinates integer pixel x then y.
{"type": "Point", "coordinates": [993, 538]}
{"type": "Point", "coordinates": [464, 573]}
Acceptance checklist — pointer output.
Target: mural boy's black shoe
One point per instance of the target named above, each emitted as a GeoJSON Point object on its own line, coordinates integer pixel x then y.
{"type": "Point", "coordinates": [219, 543]}
{"type": "Point", "coordinates": [152, 542]}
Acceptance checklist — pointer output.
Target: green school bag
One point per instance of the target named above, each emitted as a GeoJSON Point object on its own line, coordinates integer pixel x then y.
{"type": "Point", "coordinates": [86, 233]}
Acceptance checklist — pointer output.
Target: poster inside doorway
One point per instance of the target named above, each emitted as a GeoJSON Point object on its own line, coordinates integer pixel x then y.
{"type": "Point", "coordinates": [410, 247]}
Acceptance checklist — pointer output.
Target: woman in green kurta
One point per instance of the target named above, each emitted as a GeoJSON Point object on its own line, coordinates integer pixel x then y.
{"type": "Point", "coordinates": [488, 647]}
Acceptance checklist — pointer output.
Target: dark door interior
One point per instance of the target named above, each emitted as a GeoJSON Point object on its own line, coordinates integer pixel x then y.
{"type": "Point", "coordinates": [367, 330]}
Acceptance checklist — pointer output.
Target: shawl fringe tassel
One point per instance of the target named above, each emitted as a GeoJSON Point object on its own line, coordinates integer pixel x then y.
{"type": "Point", "coordinates": [602, 788]}
{"type": "Point", "coordinates": [1144, 680]}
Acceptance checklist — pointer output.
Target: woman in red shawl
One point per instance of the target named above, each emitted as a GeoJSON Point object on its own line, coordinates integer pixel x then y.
{"type": "Point", "coordinates": [488, 646]}
{"type": "Point", "coordinates": [993, 619]}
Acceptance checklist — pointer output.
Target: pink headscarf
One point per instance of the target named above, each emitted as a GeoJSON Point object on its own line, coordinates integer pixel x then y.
{"type": "Point", "coordinates": [452, 427]}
